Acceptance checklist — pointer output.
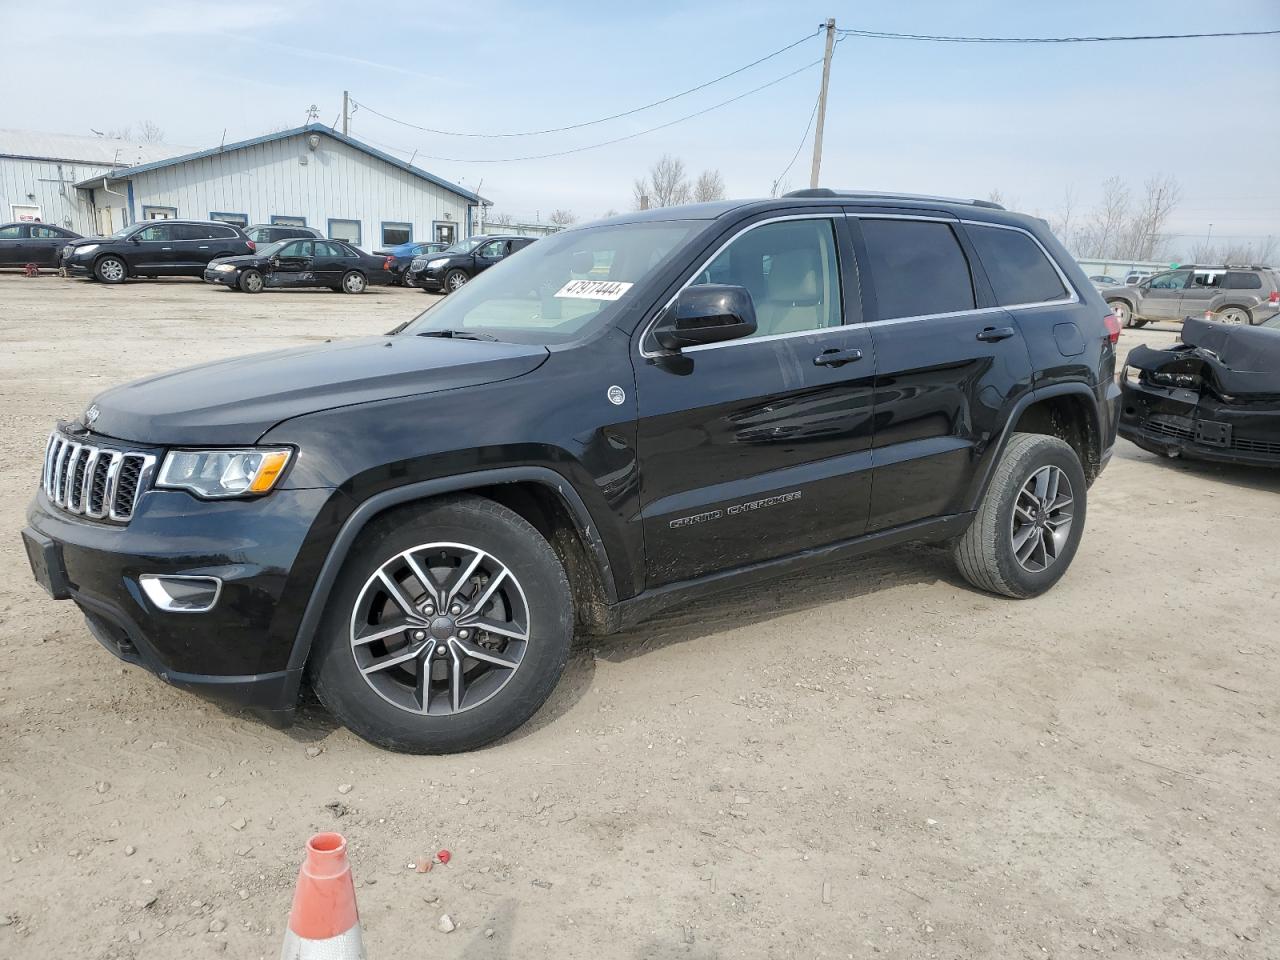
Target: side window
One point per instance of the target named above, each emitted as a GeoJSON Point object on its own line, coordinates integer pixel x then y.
{"type": "Point", "coordinates": [192, 231]}
{"type": "Point", "coordinates": [1206, 279]}
{"type": "Point", "coordinates": [1242, 281]}
{"type": "Point", "coordinates": [47, 233]}
{"type": "Point", "coordinates": [1170, 281]}
{"type": "Point", "coordinates": [918, 268]}
{"type": "Point", "coordinates": [156, 232]}
{"type": "Point", "coordinates": [299, 248]}
{"type": "Point", "coordinates": [1016, 266]}
{"type": "Point", "coordinates": [790, 269]}
{"type": "Point", "coordinates": [491, 250]}
{"type": "Point", "coordinates": [326, 249]}
{"type": "Point", "coordinates": [11, 232]}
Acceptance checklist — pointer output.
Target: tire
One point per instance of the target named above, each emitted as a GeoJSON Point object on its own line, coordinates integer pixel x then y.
{"type": "Point", "coordinates": [454, 280]}
{"type": "Point", "coordinates": [1122, 311]}
{"type": "Point", "coordinates": [1140, 323]}
{"type": "Point", "coordinates": [387, 710]}
{"type": "Point", "coordinates": [251, 281]}
{"type": "Point", "coordinates": [353, 281]}
{"type": "Point", "coordinates": [1233, 314]}
{"type": "Point", "coordinates": [111, 269]}
{"type": "Point", "coordinates": [986, 553]}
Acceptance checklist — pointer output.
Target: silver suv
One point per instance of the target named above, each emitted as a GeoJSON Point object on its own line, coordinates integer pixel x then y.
{"type": "Point", "coordinates": [1231, 295]}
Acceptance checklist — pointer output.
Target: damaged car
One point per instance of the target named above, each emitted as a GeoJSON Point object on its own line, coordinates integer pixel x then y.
{"type": "Point", "coordinates": [1214, 396]}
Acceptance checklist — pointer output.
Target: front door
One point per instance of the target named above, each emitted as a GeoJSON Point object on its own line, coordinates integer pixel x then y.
{"type": "Point", "coordinates": [757, 448]}
{"type": "Point", "coordinates": [489, 254]}
{"type": "Point", "coordinates": [154, 250]}
{"type": "Point", "coordinates": [946, 360]}
{"type": "Point", "coordinates": [294, 265]}
{"type": "Point", "coordinates": [1162, 295]}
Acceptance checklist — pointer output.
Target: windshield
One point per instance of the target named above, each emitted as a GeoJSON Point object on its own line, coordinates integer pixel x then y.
{"type": "Point", "coordinates": [125, 231]}
{"type": "Point", "coordinates": [465, 246]}
{"type": "Point", "coordinates": [553, 289]}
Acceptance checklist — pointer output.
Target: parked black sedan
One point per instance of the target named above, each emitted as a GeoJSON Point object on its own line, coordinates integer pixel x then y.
{"type": "Point", "coordinates": [38, 243]}
{"type": "Point", "coordinates": [451, 268]}
{"type": "Point", "coordinates": [302, 263]}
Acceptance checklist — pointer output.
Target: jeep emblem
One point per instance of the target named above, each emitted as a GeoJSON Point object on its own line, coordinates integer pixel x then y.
{"type": "Point", "coordinates": [617, 396]}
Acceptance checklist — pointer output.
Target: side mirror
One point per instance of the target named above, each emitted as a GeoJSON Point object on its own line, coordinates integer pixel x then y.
{"type": "Point", "coordinates": [136, 237]}
{"type": "Point", "coordinates": [706, 313]}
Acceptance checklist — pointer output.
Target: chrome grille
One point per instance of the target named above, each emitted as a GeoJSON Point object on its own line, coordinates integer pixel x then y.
{"type": "Point", "coordinates": [92, 481]}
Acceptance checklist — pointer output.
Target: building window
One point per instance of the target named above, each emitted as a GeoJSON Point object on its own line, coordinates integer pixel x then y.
{"type": "Point", "coordinates": [159, 213]}
{"type": "Point", "coordinates": [288, 221]}
{"type": "Point", "coordinates": [394, 234]}
{"type": "Point", "coordinates": [348, 230]}
{"type": "Point", "coordinates": [239, 219]}
{"type": "Point", "coordinates": [444, 232]}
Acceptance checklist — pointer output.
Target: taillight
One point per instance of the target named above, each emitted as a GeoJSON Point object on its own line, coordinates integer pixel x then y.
{"type": "Point", "coordinates": [1113, 327]}
{"type": "Point", "coordinates": [1275, 296]}
{"type": "Point", "coordinates": [386, 264]}
{"type": "Point", "coordinates": [252, 246]}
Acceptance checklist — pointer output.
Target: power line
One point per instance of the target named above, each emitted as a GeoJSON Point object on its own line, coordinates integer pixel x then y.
{"type": "Point", "coordinates": [942, 38]}
{"type": "Point", "coordinates": [589, 123]}
{"type": "Point", "coordinates": [800, 146]}
{"type": "Point", "coordinates": [629, 136]}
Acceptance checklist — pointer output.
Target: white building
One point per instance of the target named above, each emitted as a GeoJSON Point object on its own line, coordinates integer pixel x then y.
{"type": "Point", "coordinates": [308, 176]}
{"type": "Point", "coordinates": [39, 173]}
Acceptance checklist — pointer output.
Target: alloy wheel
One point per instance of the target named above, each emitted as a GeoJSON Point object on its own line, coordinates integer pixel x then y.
{"type": "Point", "coordinates": [457, 280]}
{"type": "Point", "coordinates": [1232, 315]}
{"type": "Point", "coordinates": [1121, 311]}
{"type": "Point", "coordinates": [440, 628]}
{"type": "Point", "coordinates": [1042, 517]}
{"type": "Point", "coordinates": [111, 269]}
{"type": "Point", "coordinates": [354, 283]}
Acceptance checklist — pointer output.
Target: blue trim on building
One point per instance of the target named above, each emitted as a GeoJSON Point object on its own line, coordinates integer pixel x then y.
{"type": "Point", "coordinates": [219, 214]}
{"type": "Point", "coordinates": [132, 218]}
{"type": "Point", "coordinates": [280, 218]}
{"type": "Point", "coordinates": [310, 128]}
{"type": "Point", "coordinates": [158, 206]}
{"type": "Point", "coordinates": [359, 230]}
{"type": "Point", "coordinates": [382, 231]}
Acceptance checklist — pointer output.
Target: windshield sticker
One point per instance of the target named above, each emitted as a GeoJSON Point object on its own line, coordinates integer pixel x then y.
{"type": "Point", "coordinates": [593, 289]}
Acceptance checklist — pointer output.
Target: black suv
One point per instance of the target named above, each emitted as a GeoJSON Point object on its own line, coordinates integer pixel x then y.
{"type": "Point", "coordinates": [629, 413]}
{"type": "Point", "coordinates": [446, 271]}
{"type": "Point", "coordinates": [155, 248]}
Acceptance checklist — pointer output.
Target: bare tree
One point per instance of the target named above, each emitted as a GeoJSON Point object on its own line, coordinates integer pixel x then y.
{"type": "Point", "coordinates": [500, 219]}
{"type": "Point", "coordinates": [664, 186]}
{"type": "Point", "coordinates": [1145, 232]}
{"type": "Point", "coordinates": [1261, 252]}
{"type": "Point", "coordinates": [145, 132]}
{"type": "Point", "coordinates": [709, 186]}
{"type": "Point", "coordinates": [563, 218]}
{"type": "Point", "coordinates": [611, 212]}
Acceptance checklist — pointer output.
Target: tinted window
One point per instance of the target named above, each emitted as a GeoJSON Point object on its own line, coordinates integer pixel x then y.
{"type": "Point", "coordinates": [224, 233]}
{"type": "Point", "coordinates": [918, 268]}
{"type": "Point", "coordinates": [791, 271]}
{"type": "Point", "coordinates": [191, 231]}
{"type": "Point", "coordinates": [47, 233]}
{"type": "Point", "coordinates": [325, 249]}
{"type": "Point", "coordinates": [156, 232]}
{"type": "Point", "coordinates": [13, 232]}
{"type": "Point", "coordinates": [1243, 281]}
{"type": "Point", "coordinates": [1016, 266]}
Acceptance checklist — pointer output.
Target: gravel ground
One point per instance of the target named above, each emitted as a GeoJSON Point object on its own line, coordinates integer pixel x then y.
{"type": "Point", "coordinates": [868, 760]}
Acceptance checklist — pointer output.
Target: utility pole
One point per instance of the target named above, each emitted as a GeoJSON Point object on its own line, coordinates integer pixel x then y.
{"type": "Point", "coordinates": [346, 112]}
{"type": "Point", "coordinates": [822, 103]}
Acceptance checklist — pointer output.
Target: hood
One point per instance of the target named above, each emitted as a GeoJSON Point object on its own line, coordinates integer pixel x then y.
{"type": "Point", "coordinates": [236, 401]}
{"type": "Point", "coordinates": [242, 260]}
{"type": "Point", "coordinates": [87, 240]}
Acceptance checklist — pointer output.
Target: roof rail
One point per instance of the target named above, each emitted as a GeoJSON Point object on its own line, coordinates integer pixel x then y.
{"type": "Point", "coordinates": [827, 192]}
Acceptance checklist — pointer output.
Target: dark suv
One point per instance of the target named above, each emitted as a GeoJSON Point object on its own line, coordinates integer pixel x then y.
{"type": "Point", "coordinates": [155, 248]}
{"type": "Point", "coordinates": [628, 414]}
{"type": "Point", "coordinates": [446, 271]}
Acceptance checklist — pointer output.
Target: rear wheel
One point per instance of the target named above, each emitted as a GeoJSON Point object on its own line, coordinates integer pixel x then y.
{"type": "Point", "coordinates": [1029, 524]}
{"type": "Point", "coordinates": [251, 281]}
{"type": "Point", "coordinates": [353, 281]}
{"type": "Point", "coordinates": [448, 628]}
{"type": "Point", "coordinates": [111, 269]}
{"type": "Point", "coordinates": [1233, 315]}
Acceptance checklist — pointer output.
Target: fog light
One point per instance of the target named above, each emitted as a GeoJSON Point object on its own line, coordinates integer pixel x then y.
{"type": "Point", "coordinates": [178, 594]}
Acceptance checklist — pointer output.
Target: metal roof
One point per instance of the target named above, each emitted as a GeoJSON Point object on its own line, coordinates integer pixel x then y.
{"type": "Point", "coordinates": [318, 128]}
{"type": "Point", "coordinates": [104, 151]}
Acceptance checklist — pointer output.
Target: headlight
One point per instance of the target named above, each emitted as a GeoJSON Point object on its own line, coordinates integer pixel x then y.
{"type": "Point", "coordinates": [224, 267]}
{"type": "Point", "coordinates": [223, 473]}
{"type": "Point", "coordinates": [434, 264]}
{"type": "Point", "coordinates": [87, 248]}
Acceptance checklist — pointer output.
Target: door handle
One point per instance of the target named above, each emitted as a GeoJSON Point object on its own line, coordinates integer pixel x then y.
{"type": "Point", "coordinates": [993, 334]}
{"type": "Point", "coordinates": [836, 358]}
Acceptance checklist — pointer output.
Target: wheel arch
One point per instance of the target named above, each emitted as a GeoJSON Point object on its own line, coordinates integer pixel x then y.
{"type": "Point", "coordinates": [540, 495]}
{"type": "Point", "coordinates": [1068, 411]}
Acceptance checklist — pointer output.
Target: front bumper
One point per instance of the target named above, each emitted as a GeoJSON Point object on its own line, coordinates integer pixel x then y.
{"type": "Point", "coordinates": [1176, 420]}
{"type": "Point", "coordinates": [225, 277]}
{"type": "Point", "coordinates": [239, 650]}
{"type": "Point", "coordinates": [432, 280]}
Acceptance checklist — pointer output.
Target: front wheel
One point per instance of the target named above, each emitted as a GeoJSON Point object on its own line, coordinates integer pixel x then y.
{"type": "Point", "coordinates": [251, 281]}
{"type": "Point", "coordinates": [1030, 521]}
{"type": "Point", "coordinates": [353, 282]}
{"type": "Point", "coordinates": [111, 269]}
{"type": "Point", "coordinates": [448, 628]}
{"type": "Point", "coordinates": [454, 280]}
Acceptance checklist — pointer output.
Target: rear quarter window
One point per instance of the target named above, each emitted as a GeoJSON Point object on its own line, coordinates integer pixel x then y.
{"type": "Point", "coordinates": [1242, 281]}
{"type": "Point", "coordinates": [1016, 266]}
{"type": "Point", "coordinates": [918, 268]}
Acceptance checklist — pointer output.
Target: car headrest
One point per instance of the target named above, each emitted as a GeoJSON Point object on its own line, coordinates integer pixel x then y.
{"type": "Point", "coordinates": [793, 278]}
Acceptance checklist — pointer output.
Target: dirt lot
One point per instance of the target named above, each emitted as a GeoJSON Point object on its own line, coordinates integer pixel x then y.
{"type": "Point", "coordinates": [1094, 771]}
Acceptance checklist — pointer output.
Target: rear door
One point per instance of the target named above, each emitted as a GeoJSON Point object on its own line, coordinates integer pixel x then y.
{"type": "Point", "coordinates": [1201, 291]}
{"type": "Point", "coordinates": [757, 448]}
{"type": "Point", "coordinates": [193, 246]}
{"type": "Point", "coordinates": [46, 243]}
{"type": "Point", "coordinates": [13, 244]}
{"type": "Point", "coordinates": [947, 360]}
{"type": "Point", "coordinates": [1162, 295]}
{"type": "Point", "coordinates": [330, 262]}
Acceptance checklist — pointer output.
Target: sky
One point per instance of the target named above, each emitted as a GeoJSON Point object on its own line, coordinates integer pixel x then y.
{"type": "Point", "coordinates": [1035, 122]}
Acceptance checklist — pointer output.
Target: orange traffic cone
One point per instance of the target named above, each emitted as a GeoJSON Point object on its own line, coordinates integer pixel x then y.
{"type": "Point", "coordinates": [324, 924]}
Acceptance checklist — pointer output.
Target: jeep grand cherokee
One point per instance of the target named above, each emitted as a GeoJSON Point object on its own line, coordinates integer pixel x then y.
{"type": "Point", "coordinates": [628, 414]}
